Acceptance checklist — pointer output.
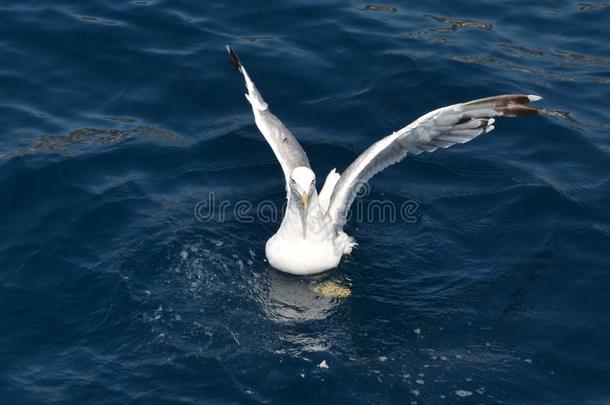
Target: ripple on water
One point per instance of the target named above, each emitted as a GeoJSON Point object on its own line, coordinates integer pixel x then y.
{"type": "Point", "coordinates": [112, 289]}
{"type": "Point", "coordinates": [455, 24]}
{"type": "Point", "coordinates": [99, 20]}
{"type": "Point", "coordinates": [379, 8]}
{"type": "Point", "coordinates": [592, 6]}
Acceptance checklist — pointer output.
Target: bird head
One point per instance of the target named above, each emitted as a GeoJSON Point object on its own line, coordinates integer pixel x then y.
{"type": "Point", "coordinates": [302, 184]}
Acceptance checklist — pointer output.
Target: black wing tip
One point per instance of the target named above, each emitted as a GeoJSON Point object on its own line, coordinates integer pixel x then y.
{"type": "Point", "coordinates": [233, 59]}
{"type": "Point", "coordinates": [510, 105]}
{"type": "Point", "coordinates": [520, 105]}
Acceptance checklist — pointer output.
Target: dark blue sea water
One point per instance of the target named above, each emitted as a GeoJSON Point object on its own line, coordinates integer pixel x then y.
{"type": "Point", "coordinates": [118, 117]}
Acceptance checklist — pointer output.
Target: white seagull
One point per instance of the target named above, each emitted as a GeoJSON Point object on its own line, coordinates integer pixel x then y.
{"type": "Point", "coordinates": [311, 238]}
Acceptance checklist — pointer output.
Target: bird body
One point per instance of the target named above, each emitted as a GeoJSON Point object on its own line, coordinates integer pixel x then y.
{"type": "Point", "coordinates": [311, 239]}
{"type": "Point", "coordinates": [307, 241]}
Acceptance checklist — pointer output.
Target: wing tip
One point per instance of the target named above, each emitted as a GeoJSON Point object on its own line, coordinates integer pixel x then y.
{"type": "Point", "coordinates": [534, 97]}
{"type": "Point", "coordinates": [518, 105]}
{"type": "Point", "coordinates": [233, 59]}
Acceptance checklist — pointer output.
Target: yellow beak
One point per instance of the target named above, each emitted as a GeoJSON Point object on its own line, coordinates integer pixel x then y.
{"type": "Point", "coordinates": [304, 200]}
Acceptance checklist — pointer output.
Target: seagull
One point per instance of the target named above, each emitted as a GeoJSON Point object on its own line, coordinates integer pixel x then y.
{"type": "Point", "coordinates": [311, 239]}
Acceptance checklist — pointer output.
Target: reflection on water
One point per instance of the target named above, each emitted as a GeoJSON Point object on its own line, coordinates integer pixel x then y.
{"type": "Point", "coordinates": [286, 298]}
{"type": "Point", "coordinates": [217, 290]}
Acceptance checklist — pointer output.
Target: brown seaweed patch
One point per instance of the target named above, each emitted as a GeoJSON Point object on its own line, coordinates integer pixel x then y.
{"type": "Point", "coordinates": [585, 59]}
{"type": "Point", "coordinates": [492, 61]}
{"type": "Point", "coordinates": [97, 136]}
{"type": "Point", "coordinates": [580, 79]}
{"type": "Point", "coordinates": [454, 24]}
{"type": "Point", "coordinates": [379, 8]}
{"type": "Point", "coordinates": [486, 60]}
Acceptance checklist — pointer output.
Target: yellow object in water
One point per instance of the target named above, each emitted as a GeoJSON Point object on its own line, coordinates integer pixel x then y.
{"type": "Point", "coordinates": [331, 289]}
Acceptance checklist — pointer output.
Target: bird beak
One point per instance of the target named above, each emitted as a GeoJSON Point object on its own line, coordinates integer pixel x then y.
{"type": "Point", "coordinates": [304, 200]}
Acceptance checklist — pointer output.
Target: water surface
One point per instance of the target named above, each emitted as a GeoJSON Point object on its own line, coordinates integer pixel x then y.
{"type": "Point", "coordinates": [118, 118]}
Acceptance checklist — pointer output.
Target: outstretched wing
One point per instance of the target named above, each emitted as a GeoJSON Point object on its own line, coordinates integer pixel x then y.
{"type": "Point", "coordinates": [285, 146]}
{"type": "Point", "coordinates": [442, 128]}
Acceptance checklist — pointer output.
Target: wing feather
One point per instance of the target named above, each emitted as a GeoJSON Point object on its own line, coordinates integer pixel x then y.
{"type": "Point", "coordinates": [441, 128]}
{"type": "Point", "coordinates": [285, 146]}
